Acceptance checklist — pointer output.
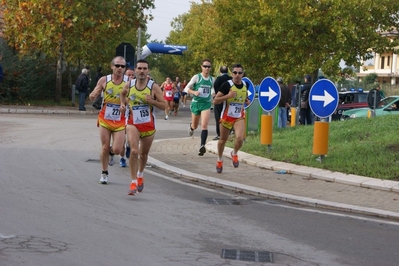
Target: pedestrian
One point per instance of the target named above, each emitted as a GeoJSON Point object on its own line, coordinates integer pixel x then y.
{"type": "Point", "coordinates": [111, 121]}
{"type": "Point", "coordinates": [168, 88]}
{"type": "Point", "coordinates": [217, 108]}
{"type": "Point", "coordinates": [233, 94]}
{"type": "Point", "coordinates": [200, 86]}
{"type": "Point", "coordinates": [98, 101]}
{"type": "Point", "coordinates": [382, 94]}
{"type": "Point", "coordinates": [284, 103]}
{"type": "Point", "coordinates": [183, 93]}
{"type": "Point", "coordinates": [305, 112]}
{"type": "Point", "coordinates": [82, 86]}
{"type": "Point", "coordinates": [142, 94]}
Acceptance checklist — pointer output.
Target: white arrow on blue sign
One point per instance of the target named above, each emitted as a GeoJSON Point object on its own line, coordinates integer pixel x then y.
{"type": "Point", "coordinates": [269, 94]}
{"type": "Point", "coordinates": [323, 98]}
{"type": "Point", "coordinates": [251, 91]}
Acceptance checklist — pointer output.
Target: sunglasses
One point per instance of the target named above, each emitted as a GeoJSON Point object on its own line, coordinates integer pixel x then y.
{"type": "Point", "coordinates": [142, 68]}
{"type": "Point", "coordinates": [119, 66]}
{"type": "Point", "coordinates": [205, 66]}
{"type": "Point", "coordinates": [237, 72]}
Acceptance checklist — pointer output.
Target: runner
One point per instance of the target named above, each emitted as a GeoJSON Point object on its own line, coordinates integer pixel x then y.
{"type": "Point", "coordinates": [233, 94]}
{"type": "Point", "coordinates": [111, 121]}
{"type": "Point", "coordinates": [201, 86]}
{"type": "Point", "coordinates": [168, 89]}
{"type": "Point", "coordinates": [143, 94]}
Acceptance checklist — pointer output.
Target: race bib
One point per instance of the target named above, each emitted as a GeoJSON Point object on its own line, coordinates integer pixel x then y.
{"type": "Point", "coordinates": [112, 112]}
{"type": "Point", "coordinates": [168, 93]}
{"type": "Point", "coordinates": [235, 110]}
{"type": "Point", "coordinates": [141, 114]}
{"type": "Point", "coordinates": [204, 92]}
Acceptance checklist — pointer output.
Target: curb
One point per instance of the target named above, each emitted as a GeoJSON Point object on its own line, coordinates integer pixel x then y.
{"type": "Point", "coordinates": [310, 172]}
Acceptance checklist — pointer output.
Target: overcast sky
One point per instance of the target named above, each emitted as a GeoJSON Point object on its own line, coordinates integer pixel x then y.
{"type": "Point", "coordinates": [164, 12]}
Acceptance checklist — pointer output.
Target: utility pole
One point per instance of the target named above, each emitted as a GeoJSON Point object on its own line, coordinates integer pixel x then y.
{"type": "Point", "coordinates": [139, 44]}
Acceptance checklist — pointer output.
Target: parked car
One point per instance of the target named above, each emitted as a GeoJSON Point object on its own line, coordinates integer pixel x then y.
{"type": "Point", "coordinates": [350, 100]}
{"type": "Point", "coordinates": [388, 105]}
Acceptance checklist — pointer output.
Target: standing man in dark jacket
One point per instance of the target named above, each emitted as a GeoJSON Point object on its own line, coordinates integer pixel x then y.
{"type": "Point", "coordinates": [82, 85]}
{"type": "Point", "coordinates": [217, 108]}
{"type": "Point", "coordinates": [284, 103]}
{"type": "Point", "coordinates": [305, 112]}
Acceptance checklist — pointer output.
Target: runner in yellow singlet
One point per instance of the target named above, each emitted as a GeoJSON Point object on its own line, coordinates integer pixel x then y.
{"type": "Point", "coordinates": [143, 94]}
{"type": "Point", "coordinates": [111, 121]}
{"type": "Point", "coordinates": [233, 94]}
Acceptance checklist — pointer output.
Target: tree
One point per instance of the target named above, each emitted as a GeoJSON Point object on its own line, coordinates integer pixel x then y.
{"type": "Point", "coordinates": [71, 31]}
{"type": "Point", "coordinates": [288, 38]}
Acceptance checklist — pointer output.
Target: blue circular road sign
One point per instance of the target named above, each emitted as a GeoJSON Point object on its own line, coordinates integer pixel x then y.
{"type": "Point", "coordinates": [323, 98]}
{"type": "Point", "coordinates": [269, 94]}
{"type": "Point", "coordinates": [251, 91]}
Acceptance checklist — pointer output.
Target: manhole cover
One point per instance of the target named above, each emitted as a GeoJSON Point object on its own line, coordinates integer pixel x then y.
{"type": "Point", "coordinates": [223, 201]}
{"type": "Point", "coordinates": [31, 244]}
{"type": "Point", "coordinates": [245, 255]}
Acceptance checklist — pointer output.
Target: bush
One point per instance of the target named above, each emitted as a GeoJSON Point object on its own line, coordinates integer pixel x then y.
{"type": "Point", "coordinates": [27, 78]}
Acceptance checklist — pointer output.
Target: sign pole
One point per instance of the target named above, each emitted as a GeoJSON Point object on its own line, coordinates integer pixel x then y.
{"type": "Point", "coordinates": [269, 96]}
{"type": "Point", "coordinates": [323, 101]}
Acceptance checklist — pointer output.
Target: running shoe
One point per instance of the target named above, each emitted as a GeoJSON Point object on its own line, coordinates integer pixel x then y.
{"type": "Point", "coordinates": [216, 138]}
{"type": "Point", "coordinates": [202, 150]}
{"type": "Point", "coordinates": [111, 161]}
{"type": "Point", "coordinates": [127, 150]}
{"type": "Point", "coordinates": [234, 159]}
{"type": "Point", "coordinates": [219, 166]}
{"type": "Point", "coordinates": [140, 184]}
{"type": "Point", "coordinates": [133, 189]}
{"type": "Point", "coordinates": [103, 179]}
{"type": "Point", "coordinates": [190, 131]}
{"type": "Point", "coordinates": [122, 162]}
{"type": "Point", "coordinates": [166, 117]}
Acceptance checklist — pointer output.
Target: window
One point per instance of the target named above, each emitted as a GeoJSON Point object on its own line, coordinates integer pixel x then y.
{"type": "Point", "coordinates": [382, 62]}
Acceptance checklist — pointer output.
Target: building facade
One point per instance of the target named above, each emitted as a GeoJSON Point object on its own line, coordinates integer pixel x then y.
{"type": "Point", "coordinates": [385, 65]}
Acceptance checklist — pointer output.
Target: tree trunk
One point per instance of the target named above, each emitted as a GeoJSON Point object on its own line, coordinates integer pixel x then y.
{"type": "Point", "coordinates": [58, 87]}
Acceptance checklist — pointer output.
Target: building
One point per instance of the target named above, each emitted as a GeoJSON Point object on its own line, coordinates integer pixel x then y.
{"type": "Point", "coordinates": [385, 65]}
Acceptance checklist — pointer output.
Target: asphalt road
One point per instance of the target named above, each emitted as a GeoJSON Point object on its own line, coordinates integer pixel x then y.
{"type": "Point", "coordinates": [54, 212]}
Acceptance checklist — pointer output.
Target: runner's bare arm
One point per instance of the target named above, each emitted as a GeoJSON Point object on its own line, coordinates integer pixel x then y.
{"type": "Point", "coordinates": [156, 98]}
{"type": "Point", "coordinates": [123, 96]}
{"type": "Point", "coordinates": [98, 89]}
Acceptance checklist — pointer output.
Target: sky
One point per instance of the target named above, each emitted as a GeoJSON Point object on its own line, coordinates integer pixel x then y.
{"type": "Point", "coordinates": [164, 12]}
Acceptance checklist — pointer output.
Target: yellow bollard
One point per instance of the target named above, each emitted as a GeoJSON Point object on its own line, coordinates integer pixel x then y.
{"type": "Point", "coordinates": [368, 113]}
{"type": "Point", "coordinates": [266, 129]}
{"type": "Point", "coordinates": [293, 116]}
{"type": "Point", "coordinates": [320, 138]}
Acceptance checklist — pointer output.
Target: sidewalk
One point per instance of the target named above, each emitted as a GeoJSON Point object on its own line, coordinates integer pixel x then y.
{"type": "Point", "coordinates": [257, 176]}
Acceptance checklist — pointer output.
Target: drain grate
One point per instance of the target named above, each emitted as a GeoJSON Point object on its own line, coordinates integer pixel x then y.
{"type": "Point", "coordinates": [92, 161]}
{"type": "Point", "coordinates": [223, 201]}
{"type": "Point", "coordinates": [245, 255]}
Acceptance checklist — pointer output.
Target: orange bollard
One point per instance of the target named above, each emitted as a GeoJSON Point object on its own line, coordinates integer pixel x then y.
{"type": "Point", "coordinates": [266, 129]}
{"type": "Point", "coordinates": [293, 116]}
{"type": "Point", "coordinates": [320, 138]}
